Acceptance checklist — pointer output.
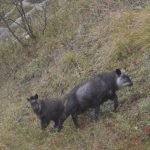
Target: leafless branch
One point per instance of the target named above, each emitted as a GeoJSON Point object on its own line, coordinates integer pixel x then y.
{"type": "Point", "coordinates": [16, 23]}
{"type": "Point", "coordinates": [20, 12]}
{"type": "Point", "coordinates": [45, 17]}
{"type": "Point", "coordinates": [9, 28]}
{"type": "Point", "coordinates": [30, 31]}
{"type": "Point", "coordinates": [26, 21]}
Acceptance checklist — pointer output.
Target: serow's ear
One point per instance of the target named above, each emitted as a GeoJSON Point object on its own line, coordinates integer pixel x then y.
{"type": "Point", "coordinates": [36, 96]}
{"type": "Point", "coordinates": [118, 72]}
{"type": "Point", "coordinates": [28, 99]}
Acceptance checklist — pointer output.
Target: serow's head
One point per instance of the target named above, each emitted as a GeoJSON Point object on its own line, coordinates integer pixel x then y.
{"type": "Point", "coordinates": [34, 103]}
{"type": "Point", "coordinates": [123, 79]}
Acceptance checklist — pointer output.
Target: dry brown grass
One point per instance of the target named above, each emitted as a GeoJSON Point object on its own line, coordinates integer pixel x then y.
{"type": "Point", "coordinates": [77, 45]}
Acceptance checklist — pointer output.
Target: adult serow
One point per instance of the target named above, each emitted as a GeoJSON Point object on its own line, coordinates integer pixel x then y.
{"type": "Point", "coordinates": [93, 93]}
{"type": "Point", "coordinates": [47, 110]}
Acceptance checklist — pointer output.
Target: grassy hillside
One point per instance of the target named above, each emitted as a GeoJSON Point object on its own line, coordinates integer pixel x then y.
{"type": "Point", "coordinates": [83, 38]}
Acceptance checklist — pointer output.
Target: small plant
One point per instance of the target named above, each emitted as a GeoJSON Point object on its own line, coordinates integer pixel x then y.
{"type": "Point", "coordinates": [69, 58]}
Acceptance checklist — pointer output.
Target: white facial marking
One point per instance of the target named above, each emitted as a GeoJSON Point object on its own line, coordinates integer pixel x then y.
{"type": "Point", "coordinates": [123, 81]}
{"type": "Point", "coordinates": [119, 81]}
{"type": "Point", "coordinates": [33, 101]}
{"type": "Point", "coordinates": [126, 84]}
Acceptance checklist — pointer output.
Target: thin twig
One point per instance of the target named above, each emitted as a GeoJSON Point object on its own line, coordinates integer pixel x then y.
{"type": "Point", "coordinates": [45, 17]}
{"type": "Point", "coordinates": [11, 31]}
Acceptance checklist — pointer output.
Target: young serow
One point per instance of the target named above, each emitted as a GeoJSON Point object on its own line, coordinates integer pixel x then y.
{"type": "Point", "coordinates": [94, 93]}
{"type": "Point", "coordinates": [47, 110]}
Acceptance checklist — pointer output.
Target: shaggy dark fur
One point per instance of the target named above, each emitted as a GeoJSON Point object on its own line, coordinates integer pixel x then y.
{"type": "Point", "coordinates": [47, 110]}
{"type": "Point", "coordinates": [93, 93]}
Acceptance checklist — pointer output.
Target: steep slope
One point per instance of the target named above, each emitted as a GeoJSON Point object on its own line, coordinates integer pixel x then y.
{"type": "Point", "coordinates": [82, 39]}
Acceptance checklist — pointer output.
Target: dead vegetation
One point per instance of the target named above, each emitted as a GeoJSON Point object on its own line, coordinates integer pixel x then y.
{"type": "Point", "coordinates": [82, 38]}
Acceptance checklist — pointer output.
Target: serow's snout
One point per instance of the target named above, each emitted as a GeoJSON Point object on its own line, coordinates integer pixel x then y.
{"type": "Point", "coordinates": [35, 107]}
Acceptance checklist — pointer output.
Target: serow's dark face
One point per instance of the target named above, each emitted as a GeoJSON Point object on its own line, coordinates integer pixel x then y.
{"type": "Point", "coordinates": [34, 103]}
{"type": "Point", "coordinates": [123, 79]}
